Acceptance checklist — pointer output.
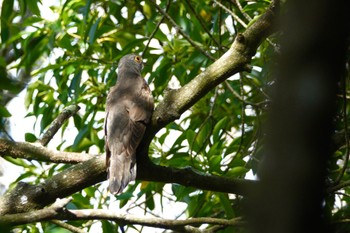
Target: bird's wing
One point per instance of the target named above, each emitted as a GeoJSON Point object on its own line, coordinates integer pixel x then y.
{"type": "Point", "coordinates": [141, 108]}
{"type": "Point", "coordinates": [123, 135]}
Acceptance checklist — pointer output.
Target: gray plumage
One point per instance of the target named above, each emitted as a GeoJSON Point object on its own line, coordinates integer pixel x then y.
{"type": "Point", "coordinates": [129, 109]}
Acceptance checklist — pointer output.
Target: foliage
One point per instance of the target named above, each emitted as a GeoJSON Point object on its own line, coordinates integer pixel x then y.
{"type": "Point", "coordinates": [72, 59]}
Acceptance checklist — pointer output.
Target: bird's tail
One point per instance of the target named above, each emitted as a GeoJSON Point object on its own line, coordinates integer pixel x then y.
{"type": "Point", "coordinates": [121, 170]}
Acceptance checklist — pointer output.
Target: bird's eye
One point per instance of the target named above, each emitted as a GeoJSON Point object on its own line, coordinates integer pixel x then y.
{"type": "Point", "coordinates": [138, 59]}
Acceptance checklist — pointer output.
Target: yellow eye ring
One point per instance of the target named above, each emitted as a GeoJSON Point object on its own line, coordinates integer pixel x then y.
{"type": "Point", "coordinates": [138, 59]}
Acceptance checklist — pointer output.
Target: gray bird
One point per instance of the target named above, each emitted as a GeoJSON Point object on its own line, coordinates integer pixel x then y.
{"type": "Point", "coordinates": [129, 109]}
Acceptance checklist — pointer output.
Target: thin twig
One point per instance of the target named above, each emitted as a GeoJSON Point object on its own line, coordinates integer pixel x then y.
{"type": "Point", "coordinates": [342, 194]}
{"type": "Point", "coordinates": [231, 13]}
{"type": "Point", "coordinates": [68, 226]}
{"type": "Point", "coordinates": [57, 123]}
{"type": "Point", "coordinates": [219, 28]}
{"type": "Point", "coordinates": [338, 186]}
{"type": "Point", "coordinates": [238, 4]}
{"type": "Point", "coordinates": [240, 98]}
{"type": "Point", "coordinates": [202, 24]}
{"type": "Point", "coordinates": [243, 116]}
{"type": "Point", "coordinates": [156, 29]}
{"type": "Point", "coordinates": [178, 29]}
{"type": "Point", "coordinates": [3, 129]}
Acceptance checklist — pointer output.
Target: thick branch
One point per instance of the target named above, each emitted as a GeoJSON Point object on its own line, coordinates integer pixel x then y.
{"type": "Point", "coordinates": [25, 197]}
{"type": "Point", "coordinates": [189, 177]}
{"type": "Point", "coordinates": [57, 211]}
{"type": "Point", "coordinates": [92, 171]}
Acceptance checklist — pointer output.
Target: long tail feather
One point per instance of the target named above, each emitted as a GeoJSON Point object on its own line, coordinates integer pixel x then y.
{"type": "Point", "coordinates": [121, 171]}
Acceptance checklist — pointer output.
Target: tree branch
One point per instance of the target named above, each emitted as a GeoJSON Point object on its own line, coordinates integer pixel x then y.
{"type": "Point", "coordinates": [68, 226]}
{"type": "Point", "coordinates": [57, 211]}
{"type": "Point", "coordinates": [57, 123]}
{"type": "Point", "coordinates": [93, 171]}
{"type": "Point", "coordinates": [334, 188]}
{"type": "Point", "coordinates": [239, 20]}
{"type": "Point", "coordinates": [33, 216]}
{"type": "Point", "coordinates": [35, 151]}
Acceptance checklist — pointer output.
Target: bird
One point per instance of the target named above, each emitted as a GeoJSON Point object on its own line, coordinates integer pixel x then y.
{"type": "Point", "coordinates": [129, 109]}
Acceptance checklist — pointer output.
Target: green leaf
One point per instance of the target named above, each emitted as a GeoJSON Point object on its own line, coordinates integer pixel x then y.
{"type": "Point", "coordinates": [92, 32]}
{"type": "Point", "coordinates": [75, 87]}
{"type": "Point", "coordinates": [33, 7]}
{"type": "Point", "coordinates": [226, 204]}
{"type": "Point", "coordinates": [90, 191]}
{"type": "Point", "coordinates": [191, 136]}
{"type": "Point", "coordinates": [65, 42]}
{"type": "Point", "coordinates": [150, 201]}
{"type": "Point", "coordinates": [48, 117]}
{"type": "Point", "coordinates": [108, 226]}
{"type": "Point", "coordinates": [80, 201]}
{"type": "Point", "coordinates": [218, 128]}
{"type": "Point", "coordinates": [204, 133]}
{"type": "Point", "coordinates": [214, 163]}
{"type": "Point", "coordinates": [79, 138]}
{"type": "Point", "coordinates": [6, 11]}
{"type": "Point", "coordinates": [237, 171]}
{"type": "Point", "coordinates": [4, 112]}
{"type": "Point", "coordinates": [86, 10]}
{"type": "Point", "coordinates": [18, 162]}
{"type": "Point", "coordinates": [29, 137]}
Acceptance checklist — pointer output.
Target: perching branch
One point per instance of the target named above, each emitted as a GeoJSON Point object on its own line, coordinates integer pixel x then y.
{"type": "Point", "coordinates": [57, 211]}
{"type": "Point", "coordinates": [93, 171]}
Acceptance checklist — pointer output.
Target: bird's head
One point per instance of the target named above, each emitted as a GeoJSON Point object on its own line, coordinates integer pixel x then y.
{"type": "Point", "coordinates": [130, 63]}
